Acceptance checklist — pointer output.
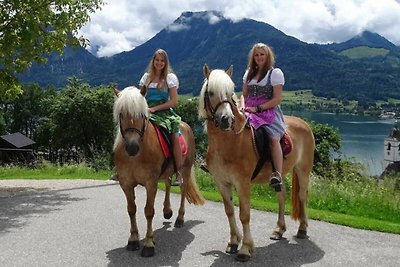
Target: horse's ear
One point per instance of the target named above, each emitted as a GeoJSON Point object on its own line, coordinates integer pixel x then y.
{"type": "Point", "coordinates": [229, 71]}
{"type": "Point", "coordinates": [206, 71]}
{"type": "Point", "coordinates": [116, 91]}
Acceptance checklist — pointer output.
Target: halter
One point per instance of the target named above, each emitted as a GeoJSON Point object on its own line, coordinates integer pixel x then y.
{"type": "Point", "coordinates": [133, 129]}
{"type": "Point", "coordinates": [207, 105]}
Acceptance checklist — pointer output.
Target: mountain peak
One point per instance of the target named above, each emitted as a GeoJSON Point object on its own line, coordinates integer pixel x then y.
{"type": "Point", "coordinates": [371, 39]}
{"type": "Point", "coordinates": [365, 38]}
{"type": "Point", "coordinates": [212, 17]}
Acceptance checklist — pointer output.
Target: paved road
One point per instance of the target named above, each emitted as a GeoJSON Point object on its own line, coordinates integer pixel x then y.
{"type": "Point", "coordinates": [87, 225]}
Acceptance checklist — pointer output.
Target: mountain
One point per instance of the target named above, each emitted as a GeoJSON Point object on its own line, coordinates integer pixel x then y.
{"type": "Point", "coordinates": [196, 38]}
{"type": "Point", "coordinates": [366, 38]}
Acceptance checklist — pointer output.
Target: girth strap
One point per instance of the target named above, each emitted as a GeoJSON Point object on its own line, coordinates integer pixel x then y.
{"type": "Point", "coordinates": [264, 150]}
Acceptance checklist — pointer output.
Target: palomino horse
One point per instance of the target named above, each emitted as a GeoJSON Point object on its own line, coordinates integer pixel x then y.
{"type": "Point", "coordinates": [139, 159]}
{"type": "Point", "coordinates": [232, 157]}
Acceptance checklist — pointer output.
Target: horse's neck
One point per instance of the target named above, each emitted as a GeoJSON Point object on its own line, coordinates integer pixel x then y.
{"type": "Point", "coordinates": [240, 119]}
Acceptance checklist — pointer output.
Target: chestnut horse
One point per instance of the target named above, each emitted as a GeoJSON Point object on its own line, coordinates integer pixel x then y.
{"type": "Point", "coordinates": [139, 159]}
{"type": "Point", "coordinates": [232, 157]}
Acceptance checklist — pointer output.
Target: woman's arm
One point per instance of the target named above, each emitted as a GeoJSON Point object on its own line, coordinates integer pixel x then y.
{"type": "Point", "coordinates": [243, 97]}
{"type": "Point", "coordinates": [276, 99]}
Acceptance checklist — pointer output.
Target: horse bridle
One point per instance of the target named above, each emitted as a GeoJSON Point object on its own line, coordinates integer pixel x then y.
{"type": "Point", "coordinates": [208, 106]}
{"type": "Point", "coordinates": [133, 129]}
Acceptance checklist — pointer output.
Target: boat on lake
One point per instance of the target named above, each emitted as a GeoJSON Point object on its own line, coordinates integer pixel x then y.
{"type": "Point", "coordinates": [387, 115]}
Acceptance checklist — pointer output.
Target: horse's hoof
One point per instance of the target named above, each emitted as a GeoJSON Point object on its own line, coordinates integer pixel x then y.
{"type": "Point", "coordinates": [302, 234]}
{"type": "Point", "coordinates": [147, 252]}
{"type": "Point", "coordinates": [178, 223]}
{"type": "Point", "coordinates": [242, 257]}
{"type": "Point", "coordinates": [275, 236]}
{"type": "Point", "coordinates": [168, 215]}
{"type": "Point", "coordinates": [232, 248]}
{"type": "Point", "coordinates": [133, 245]}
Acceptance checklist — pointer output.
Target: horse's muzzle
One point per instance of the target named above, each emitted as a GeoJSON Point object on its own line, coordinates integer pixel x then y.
{"type": "Point", "coordinates": [132, 149]}
{"type": "Point", "coordinates": [226, 123]}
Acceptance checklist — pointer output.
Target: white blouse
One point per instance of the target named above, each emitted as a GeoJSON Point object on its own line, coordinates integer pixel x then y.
{"type": "Point", "coordinates": [277, 77]}
{"type": "Point", "coordinates": [172, 81]}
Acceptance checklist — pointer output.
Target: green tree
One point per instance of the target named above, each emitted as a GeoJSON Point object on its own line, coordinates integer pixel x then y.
{"type": "Point", "coordinates": [30, 29]}
{"type": "Point", "coordinates": [327, 140]}
{"type": "Point", "coordinates": [80, 118]}
{"type": "Point", "coordinates": [2, 124]}
{"type": "Point", "coordinates": [26, 110]}
{"type": "Point", "coordinates": [188, 110]}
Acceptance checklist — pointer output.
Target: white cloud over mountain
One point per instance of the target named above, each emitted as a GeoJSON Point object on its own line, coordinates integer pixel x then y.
{"type": "Point", "coordinates": [123, 24]}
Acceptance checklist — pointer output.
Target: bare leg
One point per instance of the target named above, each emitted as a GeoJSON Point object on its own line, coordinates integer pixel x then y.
{"type": "Point", "coordinates": [277, 157]}
{"type": "Point", "coordinates": [178, 158]}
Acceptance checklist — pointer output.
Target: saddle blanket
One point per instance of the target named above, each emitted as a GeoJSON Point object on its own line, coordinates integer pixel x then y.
{"type": "Point", "coordinates": [165, 146]}
{"type": "Point", "coordinates": [286, 144]}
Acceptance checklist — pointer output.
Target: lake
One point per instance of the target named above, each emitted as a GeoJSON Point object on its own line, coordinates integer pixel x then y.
{"type": "Point", "coordinates": [362, 136]}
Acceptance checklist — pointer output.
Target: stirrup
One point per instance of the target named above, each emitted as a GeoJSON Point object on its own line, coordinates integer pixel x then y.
{"type": "Point", "coordinates": [275, 181]}
{"type": "Point", "coordinates": [203, 166]}
{"type": "Point", "coordinates": [114, 177]}
{"type": "Point", "coordinates": [178, 179]}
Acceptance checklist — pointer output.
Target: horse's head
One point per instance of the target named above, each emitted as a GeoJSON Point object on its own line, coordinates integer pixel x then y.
{"type": "Point", "coordinates": [217, 97]}
{"type": "Point", "coordinates": [131, 115]}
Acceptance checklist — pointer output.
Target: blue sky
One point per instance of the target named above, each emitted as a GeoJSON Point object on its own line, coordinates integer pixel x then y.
{"type": "Point", "coordinates": [122, 25]}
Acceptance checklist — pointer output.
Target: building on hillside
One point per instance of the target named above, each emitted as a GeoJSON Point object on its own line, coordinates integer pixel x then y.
{"type": "Point", "coordinates": [16, 148]}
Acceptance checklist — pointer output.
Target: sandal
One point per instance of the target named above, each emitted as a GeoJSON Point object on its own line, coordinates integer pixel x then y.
{"type": "Point", "coordinates": [178, 179]}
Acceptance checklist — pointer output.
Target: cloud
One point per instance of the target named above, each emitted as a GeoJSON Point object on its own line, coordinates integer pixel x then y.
{"type": "Point", "coordinates": [123, 24]}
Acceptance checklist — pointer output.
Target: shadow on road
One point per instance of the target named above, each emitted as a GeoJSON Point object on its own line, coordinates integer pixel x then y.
{"type": "Point", "coordinates": [170, 244]}
{"type": "Point", "coordinates": [280, 253]}
{"type": "Point", "coordinates": [18, 204]}
{"type": "Point", "coordinates": [16, 209]}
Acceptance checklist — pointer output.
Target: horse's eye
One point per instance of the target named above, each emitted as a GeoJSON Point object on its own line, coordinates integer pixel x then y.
{"type": "Point", "coordinates": [211, 94]}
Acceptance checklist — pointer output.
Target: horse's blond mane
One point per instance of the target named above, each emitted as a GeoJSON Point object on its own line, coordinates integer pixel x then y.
{"type": "Point", "coordinates": [220, 84]}
{"type": "Point", "coordinates": [128, 103]}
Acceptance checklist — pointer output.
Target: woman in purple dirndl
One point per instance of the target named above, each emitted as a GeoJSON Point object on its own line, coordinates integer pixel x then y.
{"type": "Point", "coordinates": [261, 97]}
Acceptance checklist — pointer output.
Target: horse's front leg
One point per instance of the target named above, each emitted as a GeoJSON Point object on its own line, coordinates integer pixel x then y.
{"type": "Point", "coordinates": [235, 236]}
{"type": "Point", "coordinates": [280, 228]}
{"type": "Point", "coordinates": [149, 245]}
{"type": "Point", "coordinates": [247, 248]}
{"type": "Point", "coordinates": [133, 241]}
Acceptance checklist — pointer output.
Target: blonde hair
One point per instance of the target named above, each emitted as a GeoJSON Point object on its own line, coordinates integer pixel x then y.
{"type": "Point", "coordinates": [252, 66]}
{"type": "Point", "coordinates": [164, 72]}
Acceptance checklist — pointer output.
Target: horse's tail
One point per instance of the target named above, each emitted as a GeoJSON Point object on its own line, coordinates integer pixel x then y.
{"type": "Point", "coordinates": [193, 194]}
{"type": "Point", "coordinates": [295, 196]}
